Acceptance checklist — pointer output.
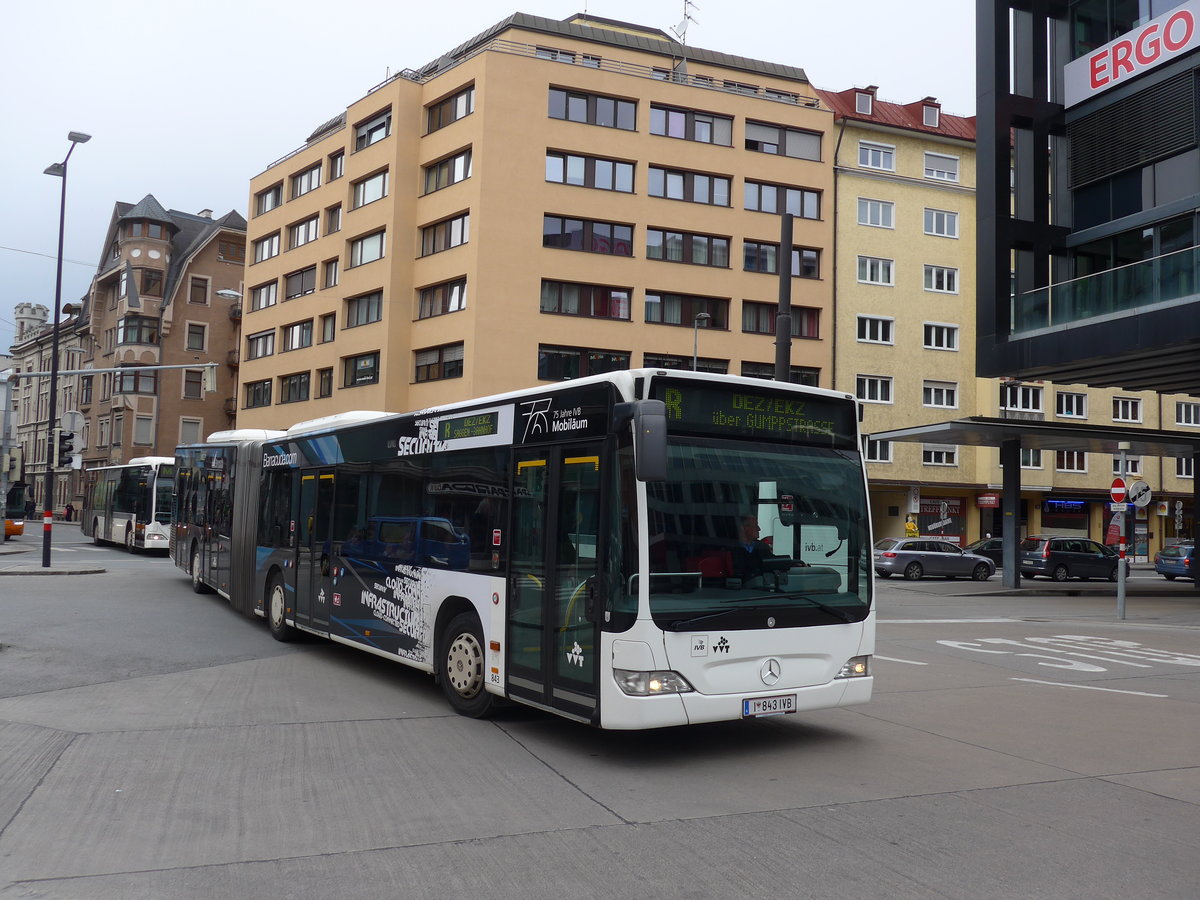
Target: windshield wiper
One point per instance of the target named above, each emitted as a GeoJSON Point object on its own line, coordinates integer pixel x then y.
{"type": "Point", "coordinates": [681, 624]}
{"type": "Point", "coordinates": [824, 607]}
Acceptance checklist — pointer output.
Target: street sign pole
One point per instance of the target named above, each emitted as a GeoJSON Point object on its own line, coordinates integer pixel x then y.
{"type": "Point", "coordinates": [1123, 446]}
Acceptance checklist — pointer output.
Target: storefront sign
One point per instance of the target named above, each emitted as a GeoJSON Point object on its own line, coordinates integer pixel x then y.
{"type": "Point", "coordinates": [987, 501]}
{"type": "Point", "coordinates": [1133, 53]}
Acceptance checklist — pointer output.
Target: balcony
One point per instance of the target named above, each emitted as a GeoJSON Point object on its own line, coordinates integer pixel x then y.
{"type": "Point", "coordinates": [1164, 281]}
{"type": "Point", "coordinates": [234, 359]}
{"type": "Point", "coordinates": [235, 312]}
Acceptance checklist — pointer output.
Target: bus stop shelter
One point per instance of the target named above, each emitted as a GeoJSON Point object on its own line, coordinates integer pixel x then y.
{"type": "Point", "coordinates": [1012, 435]}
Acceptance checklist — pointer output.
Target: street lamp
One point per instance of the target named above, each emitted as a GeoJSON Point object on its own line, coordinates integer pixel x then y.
{"type": "Point", "coordinates": [59, 170]}
{"type": "Point", "coordinates": [700, 317]}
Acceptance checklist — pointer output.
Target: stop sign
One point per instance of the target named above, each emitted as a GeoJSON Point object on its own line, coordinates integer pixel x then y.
{"type": "Point", "coordinates": [1118, 490]}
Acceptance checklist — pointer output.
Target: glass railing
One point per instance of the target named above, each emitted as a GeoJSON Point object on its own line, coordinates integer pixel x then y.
{"type": "Point", "coordinates": [1173, 276]}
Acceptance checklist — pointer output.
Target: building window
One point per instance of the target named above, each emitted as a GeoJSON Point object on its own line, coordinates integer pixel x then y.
{"type": "Point", "coordinates": [941, 222]}
{"type": "Point", "coordinates": [1187, 413]}
{"type": "Point", "coordinates": [796, 374]}
{"type": "Point", "coordinates": [370, 189]}
{"type": "Point", "coordinates": [593, 301]}
{"type": "Point", "coordinates": [738, 87]}
{"type": "Point", "coordinates": [297, 335]}
{"type": "Point", "coordinates": [231, 251]}
{"type": "Point", "coordinates": [552, 53]}
{"type": "Point", "coordinates": [324, 383]}
{"type": "Point", "coordinates": [198, 290]}
{"type": "Point", "coordinates": [260, 345]}
{"type": "Point", "coordinates": [193, 384]}
{"type": "Point", "coordinates": [689, 125]}
{"type": "Point", "coordinates": [875, 330]}
{"type": "Point", "coordinates": [196, 336]}
{"type": "Point", "coordinates": [876, 213]}
{"type": "Point", "coordinates": [438, 363]}
{"type": "Point", "coordinates": [300, 283]}
{"type": "Point", "coordinates": [328, 327]}
{"type": "Point", "coordinates": [330, 279]}
{"type": "Point", "coordinates": [692, 187]}
{"type": "Point", "coordinates": [143, 430]}
{"type": "Point", "coordinates": [265, 201]}
{"type": "Point", "coordinates": [1133, 465]}
{"type": "Point", "coordinates": [879, 451]}
{"type": "Point", "coordinates": [874, 388]}
{"type": "Point", "coordinates": [940, 394]}
{"type": "Point", "coordinates": [303, 232]}
{"type": "Point", "coordinates": [265, 248]}
{"type": "Point", "coordinates": [448, 171]}
{"type": "Point", "coordinates": [587, 235]}
{"type": "Point", "coordinates": [263, 296]}
{"type": "Point", "coordinates": [862, 103]}
{"type": "Point", "coordinates": [592, 109]}
{"type": "Point", "coordinates": [364, 310]}
{"type": "Point", "coordinates": [445, 234]}
{"type": "Point", "coordinates": [440, 299]}
{"type": "Point", "coordinates": [189, 430]}
{"type": "Point", "coordinates": [1184, 467]}
{"type": "Point", "coordinates": [940, 167]}
{"type": "Point", "coordinates": [685, 247]}
{"type": "Point", "coordinates": [930, 116]}
{"type": "Point", "coordinates": [589, 171]}
{"type": "Point", "coordinates": [877, 156]}
{"type": "Point", "coordinates": [781, 141]}
{"type": "Point", "coordinates": [453, 108]}
{"type": "Point", "coordinates": [873, 270]}
{"type": "Point", "coordinates": [333, 219]}
{"type": "Point", "coordinates": [293, 388]}
{"type": "Point", "coordinates": [668, 361]}
{"type": "Point", "coordinates": [1071, 405]}
{"type": "Point", "coordinates": [361, 369]}
{"type": "Point", "coordinates": [152, 282]}
{"type": "Point", "coordinates": [760, 318]}
{"type": "Point", "coordinates": [367, 249]}
{"type": "Point", "coordinates": [258, 393]}
{"type": "Point", "coordinates": [1025, 398]}
{"type": "Point", "coordinates": [940, 337]}
{"type": "Point", "coordinates": [308, 180]}
{"type": "Point", "coordinates": [137, 330]}
{"type": "Point", "coordinates": [778, 198]}
{"type": "Point", "coordinates": [941, 279]}
{"type": "Point", "coordinates": [134, 380]}
{"type": "Point", "coordinates": [337, 165]}
{"type": "Point", "coordinates": [939, 454]}
{"type": "Point", "coordinates": [562, 363]}
{"type": "Point", "coordinates": [1070, 461]}
{"type": "Point", "coordinates": [1126, 409]}
{"type": "Point", "coordinates": [373, 130]}
{"type": "Point", "coordinates": [763, 257]}
{"type": "Point", "coordinates": [682, 309]}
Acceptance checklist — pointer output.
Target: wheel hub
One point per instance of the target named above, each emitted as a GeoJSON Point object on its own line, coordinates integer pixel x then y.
{"type": "Point", "coordinates": [464, 665]}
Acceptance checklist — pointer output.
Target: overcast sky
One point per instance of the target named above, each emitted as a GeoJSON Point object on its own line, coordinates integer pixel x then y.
{"type": "Point", "coordinates": [188, 99]}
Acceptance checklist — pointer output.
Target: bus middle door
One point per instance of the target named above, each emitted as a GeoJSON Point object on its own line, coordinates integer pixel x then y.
{"type": "Point", "coordinates": [313, 549]}
{"type": "Point", "coordinates": [553, 639]}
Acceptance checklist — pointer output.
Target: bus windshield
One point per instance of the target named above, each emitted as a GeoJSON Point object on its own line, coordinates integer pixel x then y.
{"type": "Point", "coordinates": [743, 527]}
{"type": "Point", "coordinates": [164, 490]}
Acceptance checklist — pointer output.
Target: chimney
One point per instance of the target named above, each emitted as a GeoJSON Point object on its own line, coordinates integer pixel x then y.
{"type": "Point", "coordinates": [205, 214]}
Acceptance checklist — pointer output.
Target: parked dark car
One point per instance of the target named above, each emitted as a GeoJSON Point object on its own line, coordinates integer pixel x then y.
{"type": "Point", "coordinates": [1177, 561]}
{"type": "Point", "coordinates": [992, 548]}
{"type": "Point", "coordinates": [917, 557]}
{"type": "Point", "coordinates": [1061, 557]}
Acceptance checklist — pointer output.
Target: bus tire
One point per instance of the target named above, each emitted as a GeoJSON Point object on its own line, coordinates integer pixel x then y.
{"type": "Point", "coordinates": [463, 666]}
{"type": "Point", "coordinates": [277, 610]}
{"type": "Point", "coordinates": [129, 539]}
{"type": "Point", "coordinates": [96, 532]}
{"type": "Point", "coordinates": [198, 585]}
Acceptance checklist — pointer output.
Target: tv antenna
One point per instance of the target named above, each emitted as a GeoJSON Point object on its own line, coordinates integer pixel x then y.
{"type": "Point", "coordinates": [680, 30]}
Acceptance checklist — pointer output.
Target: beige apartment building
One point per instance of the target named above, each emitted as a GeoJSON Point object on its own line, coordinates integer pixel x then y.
{"type": "Point", "coordinates": [156, 301]}
{"type": "Point", "coordinates": [548, 200]}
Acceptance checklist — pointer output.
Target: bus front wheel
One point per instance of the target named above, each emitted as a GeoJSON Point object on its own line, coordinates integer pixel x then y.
{"type": "Point", "coordinates": [96, 532]}
{"type": "Point", "coordinates": [277, 610]}
{"type": "Point", "coordinates": [463, 666]}
{"type": "Point", "coordinates": [129, 539]}
{"type": "Point", "coordinates": [198, 584]}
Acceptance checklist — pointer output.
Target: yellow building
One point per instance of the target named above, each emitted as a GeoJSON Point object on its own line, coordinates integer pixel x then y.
{"type": "Point", "coordinates": [548, 200]}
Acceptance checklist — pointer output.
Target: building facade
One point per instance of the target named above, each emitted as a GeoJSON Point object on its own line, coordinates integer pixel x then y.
{"type": "Point", "coordinates": [548, 200]}
{"type": "Point", "coordinates": [155, 302]}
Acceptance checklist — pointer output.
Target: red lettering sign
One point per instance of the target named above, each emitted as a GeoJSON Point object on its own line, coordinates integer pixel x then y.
{"type": "Point", "coordinates": [1133, 55]}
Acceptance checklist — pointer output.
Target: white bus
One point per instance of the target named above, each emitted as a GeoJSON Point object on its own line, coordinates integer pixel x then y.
{"type": "Point", "coordinates": [580, 548]}
{"type": "Point", "coordinates": [130, 504]}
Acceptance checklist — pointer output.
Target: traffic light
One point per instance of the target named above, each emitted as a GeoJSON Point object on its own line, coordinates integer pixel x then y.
{"type": "Point", "coordinates": [66, 446]}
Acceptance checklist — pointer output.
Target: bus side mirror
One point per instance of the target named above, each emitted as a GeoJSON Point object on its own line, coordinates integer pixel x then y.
{"type": "Point", "coordinates": [650, 440]}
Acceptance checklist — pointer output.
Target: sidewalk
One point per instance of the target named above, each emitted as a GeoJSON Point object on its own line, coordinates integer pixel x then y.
{"type": "Point", "coordinates": [23, 556]}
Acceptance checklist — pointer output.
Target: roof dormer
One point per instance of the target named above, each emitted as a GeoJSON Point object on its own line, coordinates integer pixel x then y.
{"type": "Point", "coordinates": [931, 112]}
{"type": "Point", "coordinates": [864, 100]}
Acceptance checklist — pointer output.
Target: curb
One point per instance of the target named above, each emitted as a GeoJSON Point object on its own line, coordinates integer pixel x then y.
{"type": "Point", "coordinates": [52, 570]}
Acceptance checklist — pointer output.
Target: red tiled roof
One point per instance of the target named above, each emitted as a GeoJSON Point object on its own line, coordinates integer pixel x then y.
{"type": "Point", "coordinates": [909, 116]}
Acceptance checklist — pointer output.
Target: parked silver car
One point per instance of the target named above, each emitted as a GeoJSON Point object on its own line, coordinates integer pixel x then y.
{"type": "Point", "coordinates": [918, 557]}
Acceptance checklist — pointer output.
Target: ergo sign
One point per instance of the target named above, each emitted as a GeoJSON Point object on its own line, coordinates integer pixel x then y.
{"type": "Point", "coordinates": [1138, 51]}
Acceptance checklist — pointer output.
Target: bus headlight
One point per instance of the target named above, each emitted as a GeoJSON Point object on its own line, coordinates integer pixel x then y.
{"type": "Point", "coordinates": [650, 684]}
{"type": "Point", "coordinates": [856, 667]}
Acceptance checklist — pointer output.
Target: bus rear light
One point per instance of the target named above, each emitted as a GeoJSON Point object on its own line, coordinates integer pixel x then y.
{"type": "Point", "coordinates": [856, 667]}
{"type": "Point", "coordinates": [650, 684]}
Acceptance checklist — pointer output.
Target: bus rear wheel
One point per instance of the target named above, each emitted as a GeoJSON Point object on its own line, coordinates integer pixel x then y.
{"type": "Point", "coordinates": [129, 539]}
{"type": "Point", "coordinates": [277, 610]}
{"type": "Point", "coordinates": [96, 532]}
{"type": "Point", "coordinates": [464, 666]}
{"type": "Point", "coordinates": [198, 586]}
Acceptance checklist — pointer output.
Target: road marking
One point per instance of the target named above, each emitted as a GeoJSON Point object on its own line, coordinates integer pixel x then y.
{"type": "Point", "coordinates": [946, 621]}
{"type": "Point", "coordinates": [1088, 687]}
{"type": "Point", "coordinates": [907, 662]}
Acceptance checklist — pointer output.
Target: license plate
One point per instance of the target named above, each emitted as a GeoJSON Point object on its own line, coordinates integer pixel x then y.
{"type": "Point", "coordinates": [768, 706]}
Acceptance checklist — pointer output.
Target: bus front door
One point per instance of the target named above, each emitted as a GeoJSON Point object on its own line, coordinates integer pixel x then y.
{"type": "Point", "coordinates": [553, 637]}
{"type": "Point", "coordinates": [313, 550]}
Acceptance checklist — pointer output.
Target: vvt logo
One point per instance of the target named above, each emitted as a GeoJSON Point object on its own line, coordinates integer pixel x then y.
{"type": "Point", "coordinates": [575, 656]}
{"type": "Point", "coordinates": [721, 646]}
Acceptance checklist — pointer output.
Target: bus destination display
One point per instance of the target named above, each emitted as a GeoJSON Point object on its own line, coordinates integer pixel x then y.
{"type": "Point", "coordinates": [477, 425]}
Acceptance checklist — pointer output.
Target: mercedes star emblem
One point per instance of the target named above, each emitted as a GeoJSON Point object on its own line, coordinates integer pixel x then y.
{"type": "Point", "coordinates": [770, 671]}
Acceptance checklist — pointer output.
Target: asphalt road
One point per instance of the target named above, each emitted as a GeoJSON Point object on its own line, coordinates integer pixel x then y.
{"type": "Point", "coordinates": [155, 744]}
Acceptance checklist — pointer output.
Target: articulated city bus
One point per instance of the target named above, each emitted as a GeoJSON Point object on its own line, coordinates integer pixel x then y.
{"type": "Point", "coordinates": [130, 504]}
{"type": "Point", "coordinates": [632, 550]}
